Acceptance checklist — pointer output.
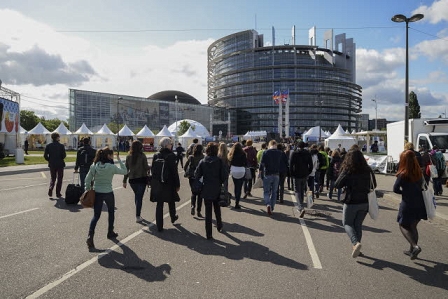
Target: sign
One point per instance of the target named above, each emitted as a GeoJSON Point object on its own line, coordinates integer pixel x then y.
{"type": "Point", "coordinates": [9, 116]}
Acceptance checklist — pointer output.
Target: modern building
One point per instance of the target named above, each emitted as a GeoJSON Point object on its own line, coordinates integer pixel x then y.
{"type": "Point", "coordinates": [162, 108]}
{"type": "Point", "coordinates": [243, 75]}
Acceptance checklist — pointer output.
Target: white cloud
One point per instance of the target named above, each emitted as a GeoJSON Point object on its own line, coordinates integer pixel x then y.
{"type": "Point", "coordinates": [435, 13]}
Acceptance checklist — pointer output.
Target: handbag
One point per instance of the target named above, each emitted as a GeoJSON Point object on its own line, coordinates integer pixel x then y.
{"type": "Point", "coordinates": [373, 202]}
{"type": "Point", "coordinates": [309, 199]}
{"type": "Point", "coordinates": [258, 182]}
{"type": "Point", "coordinates": [428, 198]}
{"type": "Point", "coordinates": [224, 197]}
{"type": "Point", "coordinates": [88, 198]}
{"type": "Point", "coordinates": [433, 171]}
{"type": "Point", "coordinates": [238, 172]}
{"type": "Point", "coordinates": [248, 174]}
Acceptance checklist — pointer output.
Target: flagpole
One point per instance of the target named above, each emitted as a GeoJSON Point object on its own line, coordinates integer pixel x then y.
{"type": "Point", "coordinates": [287, 114]}
{"type": "Point", "coordinates": [280, 123]}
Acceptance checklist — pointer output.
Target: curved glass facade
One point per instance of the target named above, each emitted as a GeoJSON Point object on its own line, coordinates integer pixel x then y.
{"type": "Point", "coordinates": [243, 75]}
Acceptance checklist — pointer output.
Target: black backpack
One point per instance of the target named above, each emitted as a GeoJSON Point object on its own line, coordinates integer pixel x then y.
{"type": "Point", "coordinates": [158, 170]}
{"type": "Point", "coordinates": [86, 157]}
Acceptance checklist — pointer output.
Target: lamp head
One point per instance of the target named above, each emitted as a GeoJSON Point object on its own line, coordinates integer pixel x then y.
{"type": "Point", "coordinates": [416, 17]}
{"type": "Point", "coordinates": [399, 18]}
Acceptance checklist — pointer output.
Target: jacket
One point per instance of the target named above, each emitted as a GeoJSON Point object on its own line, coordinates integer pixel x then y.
{"type": "Point", "coordinates": [102, 174]}
{"type": "Point", "coordinates": [358, 185]}
{"type": "Point", "coordinates": [214, 174]}
{"type": "Point", "coordinates": [335, 163]}
{"type": "Point", "coordinates": [193, 161]}
{"type": "Point", "coordinates": [301, 164]}
{"type": "Point", "coordinates": [270, 161]}
{"type": "Point", "coordinates": [80, 157]}
{"type": "Point", "coordinates": [239, 160]}
{"type": "Point", "coordinates": [55, 155]}
{"type": "Point", "coordinates": [138, 170]}
{"type": "Point", "coordinates": [166, 192]}
{"type": "Point", "coordinates": [325, 154]}
{"type": "Point", "coordinates": [251, 154]}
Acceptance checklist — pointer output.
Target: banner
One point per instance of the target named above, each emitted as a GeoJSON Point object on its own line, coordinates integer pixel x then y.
{"type": "Point", "coordinates": [9, 116]}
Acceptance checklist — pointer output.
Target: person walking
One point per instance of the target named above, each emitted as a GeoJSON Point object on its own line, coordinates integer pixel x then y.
{"type": "Point", "coordinates": [223, 155]}
{"type": "Point", "coordinates": [270, 168]}
{"type": "Point", "coordinates": [190, 166]}
{"type": "Point", "coordinates": [289, 178]}
{"type": "Point", "coordinates": [238, 162]}
{"type": "Point", "coordinates": [180, 155]}
{"type": "Point", "coordinates": [333, 173]}
{"type": "Point", "coordinates": [138, 172]}
{"type": "Point", "coordinates": [251, 154]}
{"type": "Point", "coordinates": [358, 179]}
{"type": "Point", "coordinates": [311, 177]}
{"type": "Point", "coordinates": [55, 155]}
{"type": "Point", "coordinates": [322, 157]}
{"type": "Point", "coordinates": [213, 172]}
{"type": "Point", "coordinates": [84, 159]}
{"type": "Point", "coordinates": [101, 173]}
{"type": "Point", "coordinates": [165, 181]}
{"type": "Point", "coordinates": [412, 209]}
{"type": "Point", "coordinates": [26, 145]}
{"type": "Point", "coordinates": [301, 165]}
{"type": "Point", "coordinates": [283, 171]}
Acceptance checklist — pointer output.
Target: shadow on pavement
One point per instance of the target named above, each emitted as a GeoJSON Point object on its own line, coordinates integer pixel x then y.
{"type": "Point", "coordinates": [129, 262]}
{"type": "Point", "coordinates": [60, 204]}
{"type": "Point", "coordinates": [436, 276]}
{"type": "Point", "coordinates": [238, 251]}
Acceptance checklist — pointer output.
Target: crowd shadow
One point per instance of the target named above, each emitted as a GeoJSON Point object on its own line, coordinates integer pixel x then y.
{"type": "Point", "coordinates": [60, 204]}
{"type": "Point", "coordinates": [236, 250]}
{"type": "Point", "coordinates": [435, 276]}
{"type": "Point", "coordinates": [129, 262]}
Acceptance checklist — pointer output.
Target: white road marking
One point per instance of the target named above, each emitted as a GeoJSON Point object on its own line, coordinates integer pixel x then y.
{"type": "Point", "coordinates": [43, 174]}
{"type": "Point", "coordinates": [309, 240]}
{"type": "Point", "coordinates": [84, 265]}
{"type": "Point", "coordinates": [13, 214]}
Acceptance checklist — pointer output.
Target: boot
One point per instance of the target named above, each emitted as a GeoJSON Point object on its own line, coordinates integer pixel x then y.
{"type": "Point", "coordinates": [112, 235]}
{"type": "Point", "coordinates": [89, 240]}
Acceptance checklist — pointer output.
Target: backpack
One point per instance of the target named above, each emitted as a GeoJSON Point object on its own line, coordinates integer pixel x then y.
{"type": "Point", "coordinates": [322, 160]}
{"type": "Point", "coordinates": [440, 161]}
{"type": "Point", "coordinates": [158, 170]}
{"type": "Point", "coordinates": [336, 169]}
{"type": "Point", "coordinates": [86, 159]}
{"type": "Point", "coordinates": [189, 173]}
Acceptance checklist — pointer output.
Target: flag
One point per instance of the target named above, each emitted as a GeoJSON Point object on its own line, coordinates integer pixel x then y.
{"type": "Point", "coordinates": [276, 96]}
{"type": "Point", "coordinates": [284, 95]}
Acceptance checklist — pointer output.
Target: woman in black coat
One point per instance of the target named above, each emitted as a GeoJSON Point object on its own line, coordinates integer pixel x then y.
{"type": "Point", "coordinates": [358, 179]}
{"type": "Point", "coordinates": [190, 166]}
{"type": "Point", "coordinates": [213, 172]}
{"type": "Point", "coordinates": [165, 181]}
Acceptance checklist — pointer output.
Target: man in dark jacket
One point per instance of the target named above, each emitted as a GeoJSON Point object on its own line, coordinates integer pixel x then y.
{"type": "Point", "coordinates": [84, 158]}
{"type": "Point", "coordinates": [270, 166]}
{"type": "Point", "coordinates": [301, 165]}
{"type": "Point", "coordinates": [251, 154]}
{"type": "Point", "coordinates": [55, 155]}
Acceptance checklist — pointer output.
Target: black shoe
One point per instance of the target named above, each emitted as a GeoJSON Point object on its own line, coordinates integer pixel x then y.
{"type": "Point", "coordinates": [249, 194]}
{"type": "Point", "coordinates": [192, 211]}
{"type": "Point", "coordinates": [415, 252]}
{"type": "Point", "coordinates": [112, 235]}
{"type": "Point", "coordinates": [200, 215]}
{"type": "Point", "coordinates": [89, 242]}
{"type": "Point", "coordinates": [407, 252]}
{"type": "Point", "coordinates": [219, 227]}
{"type": "Point", "coordinates": [174, 219]}
{"type": "Point", "coordinates": [316, 194]}
{"type": "Point", "coordinates": [209, 238]}
{"type": "Point", "coordinates": [58, 195]}
{"type": "Point", "coordinates": [50, 192]}
{"type": "Point", "coordinates": [237, 206]}
{"type": "Point", "coordinates": [245, 196]}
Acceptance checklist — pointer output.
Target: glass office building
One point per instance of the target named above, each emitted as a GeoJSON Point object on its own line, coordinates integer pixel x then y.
{"type": "Point", "coordinates": [96, 108]}
{"type": "Point", "coordinates": [243, 75]}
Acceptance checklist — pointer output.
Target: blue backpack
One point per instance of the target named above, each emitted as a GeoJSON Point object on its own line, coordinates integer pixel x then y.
{"type": "Point", "coordinates": [440, 161]}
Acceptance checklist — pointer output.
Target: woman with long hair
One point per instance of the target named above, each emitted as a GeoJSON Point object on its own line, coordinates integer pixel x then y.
{"type": "Point", "coordinates": [222, 154]}
{"type": "Point", "coordinates": [191, 164]}
{"type": "Point", "coordinates": [138, 171]}
{"type": "Point", "coordinates": [358, 179]}
{"type": "Point", "coordinates": [102, 172]}
{"type": "Point", "coordinates": [412, 207]}
{"type": "Point", "coordinates": [213, 172]}
{"type": "Point", "coordinates": [238, 162]}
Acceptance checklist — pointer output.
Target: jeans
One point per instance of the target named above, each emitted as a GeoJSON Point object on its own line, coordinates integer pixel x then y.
{"type": "Point", "coordinates": [159, 213]}
{"type": "Point", "coordinates": [109, 199]}
{"type": "Point", "coordinates": [139, 191]}
{"type": "Point", "coordinates": [248, 183]}
{"type": "Point", "coordinates": [352, 218]}
{"type": "Point", "coordinates": [238, 187]}
{"type": "Point", "coordinates": [317, 181]}
{"type": "Point", "coordinates": [56, 173]}
{"type": "Point", "coordinates": [208, 216]}
{"type": "Point", "coordinates": [270, 187]}
{"type": "Point", "coordinates": [330, 193]}
{"type": "Point", "coordinates": [82, 177]}
{"type": "Point", "coordinates": [300, 184]}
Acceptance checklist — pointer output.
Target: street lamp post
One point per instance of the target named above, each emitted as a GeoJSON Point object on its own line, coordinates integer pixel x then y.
{"type": "Point", "coordinates": [376, 114]}
{"type": "Point", "coordinates": [400, 19]}
{"type": "Point", "coordinates": [175, 107]}
{"type": "Point", "coordinates": [118, 129]}
{"type": "Point", "coordinates": [320, 118]}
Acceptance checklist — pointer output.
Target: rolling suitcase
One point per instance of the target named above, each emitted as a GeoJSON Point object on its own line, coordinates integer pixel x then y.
{"type": "Point", "coordinates": [73, 191]}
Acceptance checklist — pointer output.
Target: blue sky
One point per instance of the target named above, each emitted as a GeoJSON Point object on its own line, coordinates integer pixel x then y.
{"type": "Point", "coordinates": [138, 47]}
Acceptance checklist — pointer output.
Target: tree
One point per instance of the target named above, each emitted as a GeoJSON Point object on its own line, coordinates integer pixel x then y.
{"type": "Point", "coordinates": [183, 127]}
{"type": "Point", "coordinates": [28, 119]}
{"type": "Point", "coordinates": [52, 124]}
{"type": "Point", "coordinates": [414, 107]}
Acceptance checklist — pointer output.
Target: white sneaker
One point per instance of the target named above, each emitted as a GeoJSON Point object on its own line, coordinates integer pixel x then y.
{"type": "Point", "coordinates": [139, 219]}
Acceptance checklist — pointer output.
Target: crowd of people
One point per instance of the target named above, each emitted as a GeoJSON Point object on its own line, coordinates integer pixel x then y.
{"type": "Point", "coordinates": [307, 169]}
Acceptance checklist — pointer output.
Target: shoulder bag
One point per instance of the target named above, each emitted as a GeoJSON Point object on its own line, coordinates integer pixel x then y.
{"type": "Point", "coordinates": [373, 202]}
{"type": "Point", "coordinates": [428, 198]}
{"type": "Point", "coordinates": [88, 197]}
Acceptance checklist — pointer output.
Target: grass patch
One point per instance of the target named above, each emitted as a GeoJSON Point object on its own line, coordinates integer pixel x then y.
{"type": "Point", "coordinates": [30, 160]}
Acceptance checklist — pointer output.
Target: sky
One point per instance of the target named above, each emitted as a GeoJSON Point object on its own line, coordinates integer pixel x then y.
{"type": "Point", "coordinates": [141, 47]}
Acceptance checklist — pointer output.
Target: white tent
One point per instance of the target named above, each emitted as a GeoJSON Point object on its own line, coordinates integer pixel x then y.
{"type": "Point", "coordinates": [313, 134]}
{"type": "Point", "coordinates": [64, 134]}
{"type": "Point", "coordinates": [187, 138]}
{"type": "Point", "coordinates": [164, 132]}
{"type": "Point", "coordinates": [145, 132]}
{"type": "Point", "coordinates": [39, 136]}
{"type": "Point", "coordinates": [197, 128]}
{"type": "Point", "coordinates": [104, 137]}
{"type": "Point", "coordinates": [83, 131]}
{"type": "Point", "coordinates": [125, 131]}
{"type": "Point", "coordinates": [340, 137]}
{"type": "Point", "coordinates": [23, 135]}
